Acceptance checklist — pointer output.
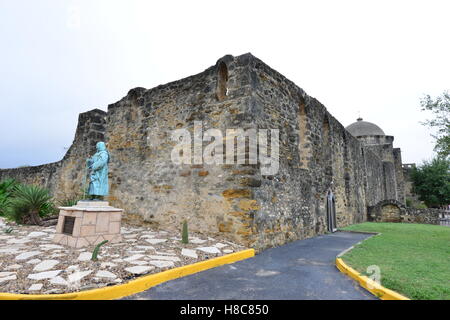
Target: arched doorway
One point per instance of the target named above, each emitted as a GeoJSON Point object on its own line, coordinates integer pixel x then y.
{"type": "Point", "coordinates": [390, 213]}
{"type": "Point", "coordinates": [331, 212]}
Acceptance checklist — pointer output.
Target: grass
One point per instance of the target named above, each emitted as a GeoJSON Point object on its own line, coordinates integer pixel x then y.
{"type": "Point", "coordinates": [414, 259]}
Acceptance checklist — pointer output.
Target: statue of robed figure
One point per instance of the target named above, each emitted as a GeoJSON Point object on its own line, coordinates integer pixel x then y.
{"type": "Point", "coordinates": [98, 172]}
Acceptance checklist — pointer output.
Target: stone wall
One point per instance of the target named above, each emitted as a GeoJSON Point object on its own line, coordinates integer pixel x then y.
{"type": "Point", "coordinates": [399, 179]}
{"type": "Point", "coordinates": [395, 211]}
{"type": "Point", "coordinates": [374, 178]}
{"type": "Point", "coordinates": [43, 175]}
{"type": "Point", "coordinates": [317, 155]}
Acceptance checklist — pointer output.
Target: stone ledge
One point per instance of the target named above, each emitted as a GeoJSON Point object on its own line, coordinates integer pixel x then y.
{"type": "Point", "coordinates": [75, 208]}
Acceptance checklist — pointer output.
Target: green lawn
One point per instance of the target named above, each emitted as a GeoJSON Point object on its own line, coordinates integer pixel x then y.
{"type": "Point", "coordinates": [414, 259]}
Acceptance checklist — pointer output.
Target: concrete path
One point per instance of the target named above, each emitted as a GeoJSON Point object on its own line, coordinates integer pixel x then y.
{"type": "Point", "coordinates": [302, 269]}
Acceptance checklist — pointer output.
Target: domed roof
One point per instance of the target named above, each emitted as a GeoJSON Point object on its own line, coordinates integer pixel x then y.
{"type": "Point", "coordinates": [364, 128]}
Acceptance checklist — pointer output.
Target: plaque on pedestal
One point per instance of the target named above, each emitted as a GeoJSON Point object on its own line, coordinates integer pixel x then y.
{"type": "Point", "coordinates": [88, 223]}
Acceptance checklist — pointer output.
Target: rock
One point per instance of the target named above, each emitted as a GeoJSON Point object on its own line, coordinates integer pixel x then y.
{"type": "Point", "coordinates": [36, 234]}
{"type": "Point", "coordinates": [220, 245]}
{"type": "Point", "coordinates": [135, 251]}
{"type": "Point", "coordinates": [189, 253]}
{"type": "Point", "coordinates": [166, 258]}
{"type": "Point", "coordinates": [85, 256]}
{"type": "Point", "coordinates": [18, 241]}
{"type": "Point", "coordinates": [6, 274]}
{"type": "Point", "coordinates": [171, 253]}
{"type": "Point", "coordinates": [155, 241]}
{"type": "Point", "coordinates": [35, 287]}
{"type": "Point", "coordinates": [161, 263]}
{"type": "Point", "coordinates": [133, 257]}
{"type": "Point", "coordinates": [33, 261]}
{"type": "Point", "coordinates": [138, 262]}
{"type": "Point", "coordinates": [27, 255]}
{"type": "Point", "coordinates": [50, 246]}
{"type": "Point", "coordinates": [8, 278]}
{"type": "Point", "coordinates": [78, 275]}
{"type": "Point", "coordinates": [14, 267]}
{"type": "Point", "coordinates": [227, 251]}
{"type": "Point", "coordinates": [139, 269]}
{"type": "Point", "coordinates": [213, 250]}
{"type": "Point", "coordinates": [9, 250]}
{"type": "Point", "coordinates": [52, 291]}
{"type": "Point", "coordinates": [105, 274]}
{"type": "Point", "coordinates": [72, 267]}
{"type": "Point", "coordinates": [197, 241]}
{"type": "Point", "coordinates": [44, 275]}
{"type": "Point", "coordinates": [45, 265]}
{"type": "Point", "coordinates": [59, 281]}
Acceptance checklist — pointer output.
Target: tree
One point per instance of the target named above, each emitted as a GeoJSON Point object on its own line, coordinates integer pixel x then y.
{"type": "Point", "coordinates": [432, 182]}
{"type": "Point", "coordinates": [441, 110]}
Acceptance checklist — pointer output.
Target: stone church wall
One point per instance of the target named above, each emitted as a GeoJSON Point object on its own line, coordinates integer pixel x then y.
{"type": "Point", "coordinates": [317, 155]}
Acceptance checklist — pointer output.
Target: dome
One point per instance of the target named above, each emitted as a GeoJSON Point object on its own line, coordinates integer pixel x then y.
{"type": "Point", "coordinates": [364, 128]}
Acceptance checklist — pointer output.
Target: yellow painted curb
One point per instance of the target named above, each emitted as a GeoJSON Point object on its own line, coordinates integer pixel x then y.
{"type": "Point", "coordinates": [370, 285]}
{"type": "Point", "coordinates": [137, 285]}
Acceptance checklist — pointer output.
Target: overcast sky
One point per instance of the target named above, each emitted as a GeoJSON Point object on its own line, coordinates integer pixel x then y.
{"type": "Point", "coordinates": [59, 58]}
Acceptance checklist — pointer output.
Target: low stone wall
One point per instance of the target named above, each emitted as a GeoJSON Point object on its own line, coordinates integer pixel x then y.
{"type": "Point", "coordinates": [394, 211]}
{"type": "Point", "coordinates": [428, 216]}
{"type": "Point", "coordinates": [42, 175]}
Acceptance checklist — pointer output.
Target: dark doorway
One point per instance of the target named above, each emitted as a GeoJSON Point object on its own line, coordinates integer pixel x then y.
{"type": "Point", "coordinates": [331, 212]}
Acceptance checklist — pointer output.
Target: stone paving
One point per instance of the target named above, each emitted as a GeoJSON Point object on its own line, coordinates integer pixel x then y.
{"type": "Point", "coordinates": [31, 263]}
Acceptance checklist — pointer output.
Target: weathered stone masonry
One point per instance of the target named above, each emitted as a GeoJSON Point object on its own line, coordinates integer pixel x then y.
{"type": "Point", "coordinates": [317, 155]}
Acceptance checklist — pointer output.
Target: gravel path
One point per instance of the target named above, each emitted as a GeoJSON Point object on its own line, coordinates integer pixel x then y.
{"type": "Point", "coordinates": [31, 263]}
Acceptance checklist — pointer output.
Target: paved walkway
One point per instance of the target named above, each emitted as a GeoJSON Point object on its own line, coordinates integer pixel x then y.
{"type": "Point", "coordinates": [302, 269]}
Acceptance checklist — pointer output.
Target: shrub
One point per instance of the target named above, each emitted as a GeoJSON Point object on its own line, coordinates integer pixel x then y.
{"type": "Point", "coordinates": [420, 205]}
{"type": "Point", "coordinates": [408, 202]}
{"type": "Point", "coordinates": [184, 234]}
{"type": "Point", "coordinates": [96, 250]}
{"type": "Point", "coordinates": [69, 201]}
{"type": "Point", "coordinates": [48, 209]}
{"type": "Point", "coordinates": [29, 203]}
{"type": "Point", "coordinates": [7, 187]}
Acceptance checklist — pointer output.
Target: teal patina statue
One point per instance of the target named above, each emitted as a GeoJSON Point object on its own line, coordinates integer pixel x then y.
{"type": "Point", "coordinates": [98, 172]}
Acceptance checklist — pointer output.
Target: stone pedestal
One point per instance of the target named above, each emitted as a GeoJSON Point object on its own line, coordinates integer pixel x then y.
{"type": "Point", "coordinates": [88, 223]}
